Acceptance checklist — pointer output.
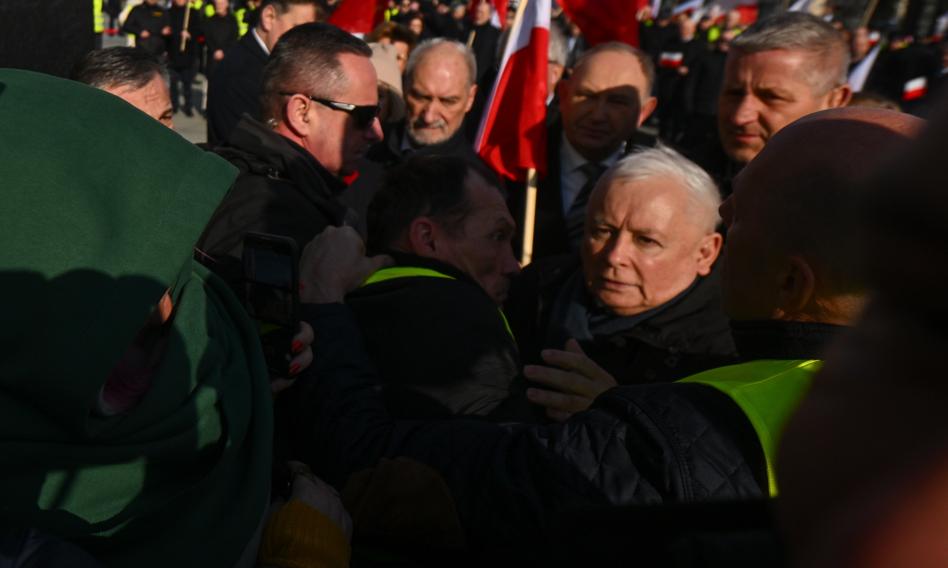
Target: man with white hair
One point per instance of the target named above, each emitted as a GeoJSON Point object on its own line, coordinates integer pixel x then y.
{"type": "Point", "coordinates": [641, 298]}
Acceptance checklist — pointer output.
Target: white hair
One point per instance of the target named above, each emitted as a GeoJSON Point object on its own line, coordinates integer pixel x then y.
{"type": "Point", "coordinates": [424, 47]}
{"type": "Point", "coordinates": [662, 161]}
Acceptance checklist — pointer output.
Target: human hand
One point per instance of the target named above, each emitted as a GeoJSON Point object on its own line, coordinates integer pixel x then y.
{"type": "Point", "coordinates": [166, 31]}
{"type": "Point", "coordinates": [319, 495]}
{"type": "Point", "coordinates": [576, 379]}
{"type": "Point", "coordinates": [303, 358]}
{"type": "Point", "coordinates": [333, 264]}
{"type": "Point", "coordinates": [683, 70]}
{"type": "Point", "coordinates": [185, 34]}
{"type": "Point", "coordinates": [218, 54]}
{"type": "Point", "coordinates": [145, 34]}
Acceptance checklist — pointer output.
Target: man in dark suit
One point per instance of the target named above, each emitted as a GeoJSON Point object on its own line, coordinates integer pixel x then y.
{"type": "Point", "coordinates": [235, 86]}
{"type": "Point", "coordinates": [601, 106]}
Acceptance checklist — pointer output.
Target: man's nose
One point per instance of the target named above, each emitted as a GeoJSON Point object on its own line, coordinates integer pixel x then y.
{"type": "Point", "coordinates": [432, 112]}
{"type": "Point", "coordinates": [746, 110]}
{"type": "Point", "coordinates": [374, 132]}
{"type": "Point", "coordinates": [511, 267]}
{"type": "Point", "coordinates": [620, 250]}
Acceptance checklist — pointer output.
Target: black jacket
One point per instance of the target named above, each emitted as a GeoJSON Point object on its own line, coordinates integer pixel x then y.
{"type": "Point", "coordinates": [151, 19]}
{"type": "Point", "coordinates": [281, 190]}
{"type": "Point", "coordinates": [638, 444]}
{"type": "Point", "coordinates": [387, 154]}
{"type": "Point", "coordinates": [178, 59]}
{"type": "Point", "coordinates": [220, 32]}
{"type": "Point", "coordinates": [234, 88]}
{"type": "Point", "coordinates": [688, 335]}
{"type": "Point", "coordinates": [550, 237]}
{"type": "Point", "coordinates": [440, 345]}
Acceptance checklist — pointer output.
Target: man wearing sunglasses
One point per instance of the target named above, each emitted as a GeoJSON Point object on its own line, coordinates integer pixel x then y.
{"type": "Point", "coordinates": [320, 109]}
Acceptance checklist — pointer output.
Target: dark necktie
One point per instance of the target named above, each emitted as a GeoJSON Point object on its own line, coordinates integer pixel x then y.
{"type": "Point", "coordinates": [576, 215]}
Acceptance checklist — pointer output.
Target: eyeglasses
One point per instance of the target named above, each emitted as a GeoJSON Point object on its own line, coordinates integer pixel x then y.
{"type": "Point", "coordinates": [363, 115]}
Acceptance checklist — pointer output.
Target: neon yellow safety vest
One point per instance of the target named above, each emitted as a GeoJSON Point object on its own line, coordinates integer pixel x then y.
{"type": "Point", "coordinates": [768, 391]}
{"type": "Point", "coordinates": [98, 20]}
{"type": "Point", "coordinates": [394, 272]}
{"type": "Point", "coordinates": [242, 25]}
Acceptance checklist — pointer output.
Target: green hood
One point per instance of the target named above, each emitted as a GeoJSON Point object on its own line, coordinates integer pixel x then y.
{"type": "Point", "coordinates": [102, 205]}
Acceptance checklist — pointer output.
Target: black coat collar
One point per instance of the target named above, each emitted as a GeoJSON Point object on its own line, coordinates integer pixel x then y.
{"type": "Point", "coordinates": [770, 339]}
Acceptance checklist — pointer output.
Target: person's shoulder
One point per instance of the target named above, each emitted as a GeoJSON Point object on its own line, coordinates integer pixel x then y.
{"type": "Point", "coordinates": [701, 426]}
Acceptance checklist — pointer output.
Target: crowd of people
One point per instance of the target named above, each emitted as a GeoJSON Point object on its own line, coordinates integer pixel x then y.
{"type": "Point", "coordinates": [723, 208]}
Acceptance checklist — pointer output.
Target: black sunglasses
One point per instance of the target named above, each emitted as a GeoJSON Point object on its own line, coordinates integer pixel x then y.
{"type": "Point", "coordinates": [363, 115]}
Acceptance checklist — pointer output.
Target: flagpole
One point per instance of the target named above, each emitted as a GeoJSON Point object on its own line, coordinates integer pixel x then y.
{"type": "Point", "coordinates": [187, 17]}
{"type": "Point", "coordinates": [870, 9]}
{"type": "Point", "coordinates": [530, 208]}
{"type": "Point", "coordinates": [529, 217]}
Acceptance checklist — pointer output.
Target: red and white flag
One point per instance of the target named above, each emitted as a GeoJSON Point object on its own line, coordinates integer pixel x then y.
{"type": "Point", "coordinates": [512, 134]}
{"type": "Point", "coordinates": [671, 59]}
{"type": "Point", "coordinates": [358, 16]}
{"type": "Point", "coordinates": [606, 20]}
{"type": "Point", "coordinates": [915, 89]}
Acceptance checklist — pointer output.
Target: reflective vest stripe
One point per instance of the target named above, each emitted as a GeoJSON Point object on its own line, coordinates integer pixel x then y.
{"type": "Point", "coordinates": [394, 272]}
{"type": "Point", "coordinates": [767, 391]}
{"type": "Point", "coordinates": [98, 19]}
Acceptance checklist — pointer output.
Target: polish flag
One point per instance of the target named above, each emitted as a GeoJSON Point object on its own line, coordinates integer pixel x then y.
{"type": "Point", "coordinates": [512, 134]}
{"type": "Point", "coordinates": [358, 16]}
{"type": "Point", "coordinates": [915, 89]}
{"type": "Point", "coordinates": [606, 20]}
{"type": "Point", "coordinates": [671, 60]}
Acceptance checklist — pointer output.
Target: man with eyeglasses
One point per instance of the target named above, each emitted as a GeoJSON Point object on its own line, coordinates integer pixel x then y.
{"type": "Point", "coordinates": [320, 109]}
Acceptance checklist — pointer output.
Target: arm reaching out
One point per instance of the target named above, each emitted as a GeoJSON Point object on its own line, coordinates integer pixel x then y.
{"type": "Point", "coordinates": [575, 380]}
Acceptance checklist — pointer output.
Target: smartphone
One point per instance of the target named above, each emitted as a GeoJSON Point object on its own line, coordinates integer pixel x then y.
{"type": "Point", "coordinates": [271, 295]}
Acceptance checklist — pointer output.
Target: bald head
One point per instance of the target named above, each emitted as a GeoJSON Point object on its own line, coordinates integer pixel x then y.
{"type": "Point", "coordinates": [791, 214]}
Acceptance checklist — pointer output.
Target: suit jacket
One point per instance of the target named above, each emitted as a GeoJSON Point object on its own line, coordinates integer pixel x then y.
{"type": "Point", "coordinates": [235, 88]}
{"type": "Point", "coordinates": [550, 229]}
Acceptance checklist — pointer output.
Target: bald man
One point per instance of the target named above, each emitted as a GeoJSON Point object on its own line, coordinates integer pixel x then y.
{"type": "Point", "coordinates": [709, 437]}
{"type": "Point", "coordinates": [863, 459]}
{"type": "Point", "coordinates": [602, 104]}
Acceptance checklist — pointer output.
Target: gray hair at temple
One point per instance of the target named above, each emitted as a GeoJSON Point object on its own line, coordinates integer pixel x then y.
{"type": "Point", "coordinates": [558, 51]}
{"type": "Point", "coordinates": [800, 31]}
{"type": "Point", "coordinates": [115, 67]}
{"type": "Point", "coordinates": [423, 49]}
{"type": "Point", "coordinates": [662, 161]}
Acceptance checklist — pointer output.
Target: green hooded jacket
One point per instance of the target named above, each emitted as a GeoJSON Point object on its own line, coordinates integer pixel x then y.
{"type": "Point", "coordinates": [88, 247]}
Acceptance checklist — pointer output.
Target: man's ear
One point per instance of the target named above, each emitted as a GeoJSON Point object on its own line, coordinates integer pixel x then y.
{"type": "Point", "coordinates": [648, 107]}
{"type": "Point", "coordinates": [470, 97]}
{"type": "Point", "coordinates": [296, 116]}
{"type": "Point", "coordinates": [839, 96]}
{"type": "Point", "coordinates": [422, 237]}
{"type": "Point", "coordinates": [562, 91]}
{"type": "Point", "coordinates": [267, 15]}
{"type": "Point", "coordinates": [708, 250]}
{"type": "Point", "coordinates": [796, 288]}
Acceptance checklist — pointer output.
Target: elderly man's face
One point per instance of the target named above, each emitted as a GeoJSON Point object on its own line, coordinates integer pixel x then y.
{"type": "Point", "coordinates": [481, 246]}
{"type": "Point", "coordinates": [339, 142]}
{"type": "Point", "coordinates": [763, 92]}
{"type": "Point", "coordinates": [153, 99]}
{"type": "Point", "coordinates": [602, 103]}
{"type": "Point", "coordinates": [645, 242]}
{"type": "Point", "coordinates": [439, 95]}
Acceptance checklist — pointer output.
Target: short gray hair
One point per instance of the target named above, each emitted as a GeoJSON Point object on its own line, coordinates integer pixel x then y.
{"type": "Point", "coordinates": [115, 67]}
{"type": "Point", "coordinates": [306, 60]}
{"type": "Point", "coordinates": [558, 51]}
{"type": "Point", "coordinates": [800, 31]}
{"type": "Point", "coordinates": [421, 51]}
{"type": "Point", "coordinates": [662, 161]}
